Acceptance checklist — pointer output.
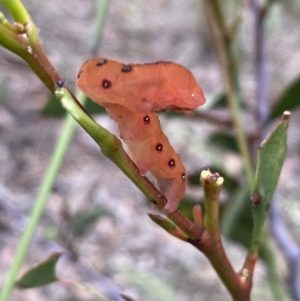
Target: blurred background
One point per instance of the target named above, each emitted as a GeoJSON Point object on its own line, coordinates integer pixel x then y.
{"type": "Point", "coordinates": [95, 215]}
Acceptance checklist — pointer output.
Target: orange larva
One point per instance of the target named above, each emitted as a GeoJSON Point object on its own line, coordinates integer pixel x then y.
{"type": "Point", "coordinates": [131, 94]}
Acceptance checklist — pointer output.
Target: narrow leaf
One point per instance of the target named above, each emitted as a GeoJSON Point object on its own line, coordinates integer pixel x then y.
{"type": "Point", "coordinates": [272, 153]}
{"type": "Point", "coordinates": [41, 274]}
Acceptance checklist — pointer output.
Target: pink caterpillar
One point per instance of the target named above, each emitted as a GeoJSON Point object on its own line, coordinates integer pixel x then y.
{"type": "Point", "coordinates": [131, 94]}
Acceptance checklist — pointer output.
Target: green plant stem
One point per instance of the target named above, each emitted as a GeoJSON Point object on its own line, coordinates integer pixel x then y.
{"type": "Point", "coordinates": [35, 58]}
{"type": "Point", "coordinates": [8, 25]}
{"type": "Point", "coordinates": [12, 42]}
{"type": "Point", "coordinates": [17, 10]}
{"type": "Point", "coordinates": [219, 17]}
{"type": "Point", "coordinates": [39, 205]}
{"type": "Point", "coordinates": [222, 42]}
{"type": "Point", "coordinates": [211, 244]}
{"type": "Point", "coordinates": [27, 46]}
{"type": "Point", "coordinates": [212, 185]}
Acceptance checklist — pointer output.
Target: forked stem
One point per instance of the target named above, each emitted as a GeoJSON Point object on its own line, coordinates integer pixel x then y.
{"type": "Point", "coordinates": [210, 243]}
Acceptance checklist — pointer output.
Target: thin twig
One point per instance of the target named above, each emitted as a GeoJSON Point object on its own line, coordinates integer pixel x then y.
{"type": "Point", "coordinates": [227, 64]}
{"type": "Point", "coordinates": [210, 244]}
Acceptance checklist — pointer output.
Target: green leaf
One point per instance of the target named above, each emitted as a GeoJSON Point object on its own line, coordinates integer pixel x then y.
{"type": "Point", "coordinates": [41, 274]}
{"type": "Point", "coordinates": [288, 100]}
{"type": "Point", "coordinates": [271, 155]}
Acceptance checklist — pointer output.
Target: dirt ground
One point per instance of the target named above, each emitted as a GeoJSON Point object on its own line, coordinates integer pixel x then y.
{"type": "Point", "coordinates": [125, 251]}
